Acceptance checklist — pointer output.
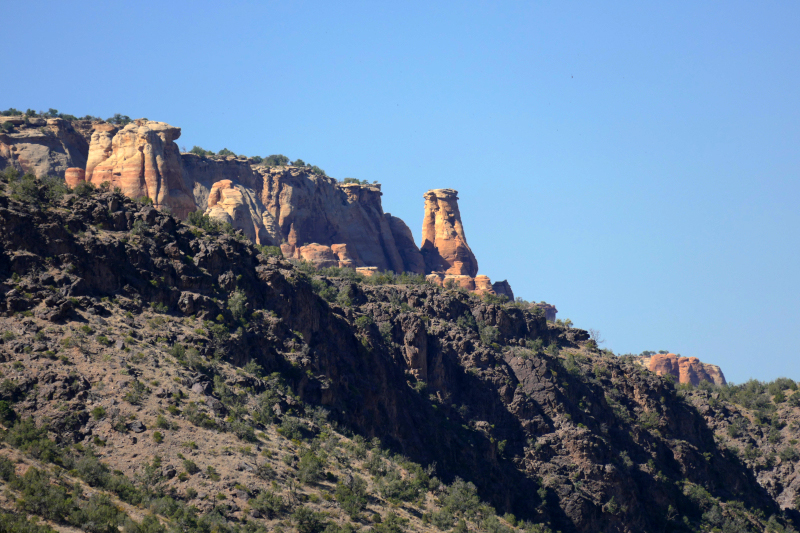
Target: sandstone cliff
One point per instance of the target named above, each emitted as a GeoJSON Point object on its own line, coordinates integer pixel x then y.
{"type": "Point", "coordinates": [143, 161]}
{"type": "Point", "coordinates": [683, 369]}
{"type": "Point", "coordinates": [311, 217]}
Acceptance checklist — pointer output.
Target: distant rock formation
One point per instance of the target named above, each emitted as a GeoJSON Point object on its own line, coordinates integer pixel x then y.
{"type": "Point", "coordinates": [238, 206]}
{"type": "Point", "coordinates": [143, 161]}
{"type": "Point", "coordinates": [683, 369]}
{"type": "Point", "coordinates": [42, 146]}
{"type": "Point", "coordinates": [549, 310]}
{"type": "Point", "coordinates": [444, 245]}
{"type": "Point", "coordinates": [447, 256]}
{"type": "Point", "coordinates": [502, 288]}
{"type": "Point", "coordinates": [310, 216]}
{"type": "Point", "coordinates": [74, 176]}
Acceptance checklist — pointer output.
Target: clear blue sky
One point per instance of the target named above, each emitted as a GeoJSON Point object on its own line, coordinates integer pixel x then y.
{"type": "Point", "coordinates": [636, 164]}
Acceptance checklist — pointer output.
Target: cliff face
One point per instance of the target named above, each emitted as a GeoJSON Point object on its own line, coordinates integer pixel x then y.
{"type": "Point", "coordinates": [42, 146]}
{"type": "Point", "coordinates": [683, 369]}
{"type": "Point", "coordinates": [143, 160]}
{"type": "Point", "coordinates": [309, 216]}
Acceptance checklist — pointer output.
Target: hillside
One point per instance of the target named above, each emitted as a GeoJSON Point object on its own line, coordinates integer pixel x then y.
{"type": "Point", "coordinates": [192, 379]}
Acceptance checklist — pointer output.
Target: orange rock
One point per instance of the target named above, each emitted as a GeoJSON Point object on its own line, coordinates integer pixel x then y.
{"type": "Point", "coordinates": [142, 160]}
{"type": "Point", "coordinates": [685, 369]}
{"type": "Point", "coordinates": [444, 245]}
{"type": "Point", "coordinates": [343, 254]}
{"type": "Point", "coordinates": [73, 176]}
{"type": "Point", "coordinates": [237, 205]}
{"type": "Point", "coordinates": [320, 255]}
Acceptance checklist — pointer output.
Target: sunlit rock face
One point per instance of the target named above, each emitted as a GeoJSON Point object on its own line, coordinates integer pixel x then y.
{"type": "Point", "coordinates": [142, 160]}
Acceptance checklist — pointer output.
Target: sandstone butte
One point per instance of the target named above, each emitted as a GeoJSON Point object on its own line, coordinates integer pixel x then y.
{"type": "Point", "coordinates": [311, 217]}
{"type": "Point", "coordinates": [683, 369]}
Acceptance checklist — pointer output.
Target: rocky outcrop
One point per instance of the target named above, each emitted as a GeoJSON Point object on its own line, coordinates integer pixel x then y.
{"type": "Point", "coordinates": [683, 369]}
{"type": "Point", "coordinates": [311, 217]}
{"type": "Point", "coordinates": [42, 146]}
{"type": "Point", "coordinates": [502, 288]}
{"type": "Point", "coordinates": [309, 208]}
{"type": "Point", "coordinates": [549, 310]}
{"type": "Point", "coordinates": [444, 245]}
{"type": "Point", "coordinates": [142, 160]}
{"type": "Point", "coordinates": [406, 247]}
{"type": "Point", "coordinates": [237, 205]}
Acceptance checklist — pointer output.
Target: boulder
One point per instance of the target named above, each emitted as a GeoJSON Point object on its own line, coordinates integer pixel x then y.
{"type": "Point", "coordinates": [73, 176]}
{"type": "Point", "coordinates": [444, 245]}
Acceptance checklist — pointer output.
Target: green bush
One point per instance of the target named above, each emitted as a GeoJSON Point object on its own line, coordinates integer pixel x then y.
{"type": "Point", "coordinates": [310, 468]}
{"type": "Point", "coordinates": [352, 498]}
{"type": "Point", "coordinates": [307, 521]}
{"type": "Point", "coordinates": [237, 303]}
{"type": "Point", "coordinates": [268, 504]}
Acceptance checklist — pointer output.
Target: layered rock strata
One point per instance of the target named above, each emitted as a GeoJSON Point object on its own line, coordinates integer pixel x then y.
{"type": "Point", "coordinates": [683, 369]}
{"type": "Point", "coordinates": [142, 160]}
{"type": "Point", "coordinates": [42, 146]}
{"type": "Point", "coordinates": [444, 245]}
{"type": "Point", "coordinates": [311, 217]}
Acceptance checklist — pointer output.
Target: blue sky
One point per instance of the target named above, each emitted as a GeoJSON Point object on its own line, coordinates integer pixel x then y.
{"type": "Point", "coordinates": [636, 164]}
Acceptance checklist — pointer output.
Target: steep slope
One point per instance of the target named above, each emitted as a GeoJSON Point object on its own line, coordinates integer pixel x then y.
{"type": "Point", "coordinates": [545, 425]}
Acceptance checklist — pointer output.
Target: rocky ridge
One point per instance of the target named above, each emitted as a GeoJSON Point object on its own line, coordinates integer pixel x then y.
{"type": "Point", "coordinates": [310, 216]}
{"type": "Point", "coordinates": [545, 425]}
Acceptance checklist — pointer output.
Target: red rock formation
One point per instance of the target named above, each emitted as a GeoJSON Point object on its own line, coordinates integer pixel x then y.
{"type": "Point", "coordinates": [232, 203]}
{"type": "Point", "coordinates": [684, 369]}
{"type": "Point", "coordinates": [73, 176]}
{"type": "Point", "coordinates": [444, 245]}
{"type": "Point", "coordinates": [308, 208]}
{"type": "Point", "coordinates": [143, 161]}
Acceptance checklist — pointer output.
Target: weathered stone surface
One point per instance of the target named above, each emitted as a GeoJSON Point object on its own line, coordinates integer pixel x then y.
{"type": "Point", "coordinates": [308, 208]}
{"type": "Point", "coordinates": [74, 175]}
{"type": "Point", "coordinates": [683, 369]}
{"type": "Point", "coordinates": [550, 311]}
{"type": "Point", "coordinates": [502, 288]}
{"type": "Point", "coordinates": [239, 206]}
{"type": "Point", "coordinates": [444, 245]}
{"type": "Point", "coordinates": [143, 161]}
{"type": "Point", "coordinates": [47, 148]}
{"type": "Point", "coordinates": [406, 247]}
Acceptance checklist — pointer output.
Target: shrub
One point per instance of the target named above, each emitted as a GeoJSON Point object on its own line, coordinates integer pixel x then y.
{"type": "Point", "coordinates": [352, 498]}
{"type": "Point", "coordinates": [201, 152]}
{"type": "Point", "coordinates": [237, 303]}
{"type": "Point", "coordinates": [307, 521]}
{"type": "Point", "coordinates": [268, 504]}
{"type": "Point", "coordinates": [158, 437]}
{"type": "Point", "coordinates": [84, 188]}
{"type": "Point", "coordinates": [54, 188]}
{"type": "Point", "coordinates": [190, 467]}
{"type": "Point", "coordinates": [310, 468]}
{"type": "Point", "coordinates": [25, 189]}
{"type": "Point", "coordinates": [98, 412]}
{"type": "Point", "coordinates": [277, 160]}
